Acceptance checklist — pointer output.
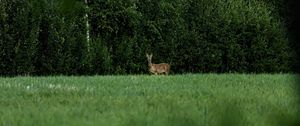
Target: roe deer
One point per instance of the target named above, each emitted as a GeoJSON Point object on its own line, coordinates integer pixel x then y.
{"type": "Point", "coordinates": [157, 68]}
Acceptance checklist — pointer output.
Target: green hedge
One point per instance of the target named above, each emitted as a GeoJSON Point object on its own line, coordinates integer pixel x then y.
{"type": "Point", "coordinates": [48, 38]}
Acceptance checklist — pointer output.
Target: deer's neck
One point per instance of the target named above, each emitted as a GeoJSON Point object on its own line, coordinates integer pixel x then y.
{"type": "Point", "coordinates": [149, 64]}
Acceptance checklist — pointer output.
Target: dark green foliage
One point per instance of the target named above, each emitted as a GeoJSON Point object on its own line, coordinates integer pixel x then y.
{"type": "Point", "coordinates": [40, 38]}
{"type": "Point", "coordinates": [50, 37]}
{"type": "Point", "coordinates": [18, 33]}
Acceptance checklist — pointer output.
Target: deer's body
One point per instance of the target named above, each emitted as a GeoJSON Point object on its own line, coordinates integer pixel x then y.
{"type": "Point", "coordinates": [157, 68]}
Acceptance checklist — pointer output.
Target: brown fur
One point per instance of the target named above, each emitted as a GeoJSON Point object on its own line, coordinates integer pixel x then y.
{"type": "Point", "coordinates": [157, 68]}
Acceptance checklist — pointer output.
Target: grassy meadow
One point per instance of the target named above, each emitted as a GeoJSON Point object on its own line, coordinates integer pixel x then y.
{"type": "Point", "coordinates": [144, 100]}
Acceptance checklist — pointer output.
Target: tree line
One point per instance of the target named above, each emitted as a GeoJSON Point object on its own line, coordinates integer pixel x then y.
{"type": "Point", "coordinates": [53, 37]}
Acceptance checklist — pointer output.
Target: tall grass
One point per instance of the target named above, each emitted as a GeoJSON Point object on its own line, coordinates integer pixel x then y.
{"type": "Point", "coordinates": [139, 100]}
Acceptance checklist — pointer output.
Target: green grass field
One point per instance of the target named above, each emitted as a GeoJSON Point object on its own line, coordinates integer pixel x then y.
{"type": "Point", "coordinates": [144, 100]}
